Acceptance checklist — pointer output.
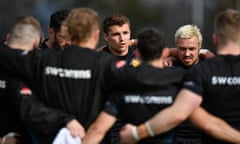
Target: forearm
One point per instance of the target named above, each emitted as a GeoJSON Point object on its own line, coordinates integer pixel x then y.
{"type": "Point", "coordinates": [99, 128]}
{"type": "Point", "coordinates": [160, 123]}
{"type": "Point", "coordinates": [166, 120]}
{"type": "Point", "coordinates": [214, 126]}
{"type": "Point", "coordinates": [93, 135]}
{"type": "Point", "coordinates": [173, 52]}
{"type": "Point", "coordinates": [224, 132]}
{"type": "Point", "coordinates": [185, 103]}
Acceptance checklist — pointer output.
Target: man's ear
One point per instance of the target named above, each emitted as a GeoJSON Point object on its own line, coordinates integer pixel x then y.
{"type": "Point", "coordinates": [215, 40]}
{"type": "Point", "coordinates": [96, 38]}
{"type": "Point", "coordinates": [96, 35]}
{"type": "Point", "coordinates": [7, 39]}
{"type": "Point", "coordinates": [105, 36]}
{"type": "Point", "coordinates": [36, 43]}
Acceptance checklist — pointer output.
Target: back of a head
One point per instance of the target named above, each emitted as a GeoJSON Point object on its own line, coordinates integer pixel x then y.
{"type": "Point", "coordinates": [150, 43]}
{"type": "Point", "coordinates": [115, 19]}
{"type": "Point", "coordinates": [25, 30]}
{"type": "Point", "coordinates": [188, 31]}
{"type": "Point", "coordinates": [57, 19]}
{"type": "Point", "coordinates": [227, 27]}
{"type": "Point", "coordinates": [81, 23]}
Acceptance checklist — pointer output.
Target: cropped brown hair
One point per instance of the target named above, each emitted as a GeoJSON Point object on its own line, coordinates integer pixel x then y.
{"type": "Point", "coordinates": [227, 26]}
{"type": "Point", "coordinates": [115, 19]}
{"type": "Point", "coordinates": [81, 22]}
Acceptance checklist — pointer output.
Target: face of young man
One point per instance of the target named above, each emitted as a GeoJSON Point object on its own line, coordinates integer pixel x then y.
{"type": "Point", "coordinates": [188, 50]}
{"type": "Point", "coordinates": [61, 38]}
{"type": "Point", "coordinates": [117, 39]}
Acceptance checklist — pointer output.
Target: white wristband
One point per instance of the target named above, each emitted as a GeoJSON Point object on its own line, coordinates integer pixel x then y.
{"type": "Point", "coordinates": [149, 129]}
{"type": "Point", "coordinates": [135, 134]}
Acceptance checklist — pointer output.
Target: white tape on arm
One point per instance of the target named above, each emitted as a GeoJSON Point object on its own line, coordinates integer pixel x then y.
{"type": "Point", "coordinates": [149, 129]}
{"type": "Point", "coordinates": [135, 134]}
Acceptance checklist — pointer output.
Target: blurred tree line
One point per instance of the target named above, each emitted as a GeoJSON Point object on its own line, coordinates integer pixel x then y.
{"type": "Point", "coordinates": [166, 15]}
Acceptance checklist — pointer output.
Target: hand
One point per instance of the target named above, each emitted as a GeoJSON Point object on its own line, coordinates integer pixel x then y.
{"type": "Point", "coordinates": [168, 62]}
{"type": "Point", "coordinates": [133, 42]}
{"type": "Point", "coordinates": [11, 138]}
{"type": "Point", "coordinates": [126, 134]}
{"type": "Point", "coordinates": [206, 54]}
{"type": "Point", "coordinates": [75, 128]}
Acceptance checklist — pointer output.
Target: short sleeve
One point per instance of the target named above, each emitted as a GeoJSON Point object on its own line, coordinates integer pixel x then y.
{"type": "Point", "coordinates": [111, 105]}
{"type": "Point", "coordinates": [193, 80]}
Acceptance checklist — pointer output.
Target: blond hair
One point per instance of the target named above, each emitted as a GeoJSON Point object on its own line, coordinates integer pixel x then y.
{"type": "Point", "coordinates": [25, 30]}
{"type": "Point", "coordinates": [81, 23]}
{"type": "Point", "coordinates": [188, 31]}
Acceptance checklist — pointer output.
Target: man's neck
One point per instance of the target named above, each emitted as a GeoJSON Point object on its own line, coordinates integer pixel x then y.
{"type": "Point", "coordinates": [88, 45]}
{"type": "Point", "coordinates": [20, 47]}
{"type": "Point", "coordinates": [158, 63]}
{"type": "Point", "coordinates": [229, 49]}
{"type": "Point", "coordinates": [117, 53]}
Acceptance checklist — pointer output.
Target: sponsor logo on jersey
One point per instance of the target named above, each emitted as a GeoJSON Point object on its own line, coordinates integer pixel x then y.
{"type": "Point", "coordinates": [120, 63]}
{"type": "Point", "coordinates": [68, 73]}
{"type": "Point", "coordinates": [189, 83]}
{"type": "Point", "coordinates": [135, 63]}
{"type": "Point", "coordinates": [2, 84]}
{"type": "Point", "coordinates": [225, 80]}
{"type": "Point", "coordinates": [25, 91]}
{"type": "Point", "coordinates": [148, 99]}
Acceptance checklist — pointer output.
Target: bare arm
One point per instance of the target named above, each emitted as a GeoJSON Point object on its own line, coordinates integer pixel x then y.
{"type": "Point", "coordinates": [185, 103]}
{"type": "Point", "coordinates": [214, 126]}
{"type": "Point", "coordinates": [163, 121]}
{"type": "Point", "coordinates": [173, 52]}
{"type": "Point", "coordinates": [98, 129]}
{"type": "Point", "coordinates": [206, 53]}
{"type": "Point", "coordinates": [170, 117]}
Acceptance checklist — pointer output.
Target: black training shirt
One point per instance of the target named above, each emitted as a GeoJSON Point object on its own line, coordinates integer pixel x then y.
{"type": "Point", "coordinates": [141, 91]}
{"type": "Point", "coordinates": [217, 80]}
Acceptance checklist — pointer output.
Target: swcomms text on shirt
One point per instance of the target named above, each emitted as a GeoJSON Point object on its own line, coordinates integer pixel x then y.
{"type": "Point", "coordinates": [148, 99]}
{"type": "Point", "coordinates": [225, 80]}
{"type": "Point", "coordinates": [68, 73]}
